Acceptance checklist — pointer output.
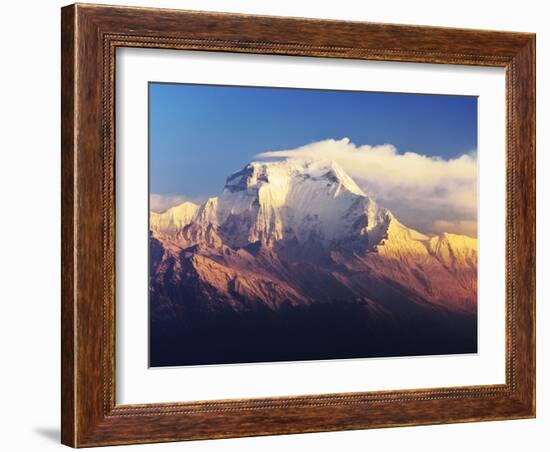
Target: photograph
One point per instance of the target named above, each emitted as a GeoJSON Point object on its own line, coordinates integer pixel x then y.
{"type": "Point", "coordinates": [275, 226]}
{"type": "Point", "coordinates": [292, 224]}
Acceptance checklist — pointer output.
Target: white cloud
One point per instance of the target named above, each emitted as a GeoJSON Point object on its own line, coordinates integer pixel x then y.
{"type": "Point", "coordinates": [161, 202]}
{"type": "Point", "coordinates": [425, 193]}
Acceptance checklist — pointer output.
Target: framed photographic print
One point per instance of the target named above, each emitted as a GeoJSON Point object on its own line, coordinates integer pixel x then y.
{"type": "Point", "coordinates": [280, 225]}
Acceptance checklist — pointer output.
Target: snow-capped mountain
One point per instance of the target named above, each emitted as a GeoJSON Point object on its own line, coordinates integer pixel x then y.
{"type": "Point", "coordinates": [173, 219]}
{"type": "Point", "coordinates": [292, 199]}
{"type": "Point", "coordinates": [298, 234]}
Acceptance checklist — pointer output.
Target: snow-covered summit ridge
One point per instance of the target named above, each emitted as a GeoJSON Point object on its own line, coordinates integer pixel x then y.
{"type": "Point", "coordinates": [173, 218]}
{"type": "Point", "coordinates": [280, 174]}
{"type": "Point", "coordinates": [270, 201]}
{"type": "Point", "coordinates": [306, 200]}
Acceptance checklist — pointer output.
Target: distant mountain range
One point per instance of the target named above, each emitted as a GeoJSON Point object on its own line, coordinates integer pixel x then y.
{"type": "Point", "coordinates": [294, 261]}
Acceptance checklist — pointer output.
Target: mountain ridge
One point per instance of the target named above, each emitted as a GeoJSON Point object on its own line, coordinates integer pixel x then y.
{"type": "Point", "coordinates": [300, 238]}
{"type": "Point", "coordinates": [265, 187]}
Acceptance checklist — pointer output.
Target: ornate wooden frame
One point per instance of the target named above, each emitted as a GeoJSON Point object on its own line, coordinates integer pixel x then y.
{"type": "Point", "coordinates": [90, 35]}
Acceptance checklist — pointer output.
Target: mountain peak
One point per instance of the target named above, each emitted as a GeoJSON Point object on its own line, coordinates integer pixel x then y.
{"type": "Point", "coordinates": [311, 201]}
{"type": "Point", "coordinates": [282, 172]}
{"type": "Point", "coordinates": [303, 199]}
{"type": "Point", "coordinates": [174, 218]}
{"type": "Point", "coordinates": [336, 173]}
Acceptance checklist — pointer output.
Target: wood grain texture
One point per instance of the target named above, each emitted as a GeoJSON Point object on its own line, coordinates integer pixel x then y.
{"type": "Point", "coordinates": [67, 226]}
{"type": "Point", "coordinates": [90, 36]}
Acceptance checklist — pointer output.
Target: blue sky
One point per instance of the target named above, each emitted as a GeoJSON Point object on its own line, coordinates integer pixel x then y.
{"type": "Point", "coordinates": [200, 134]}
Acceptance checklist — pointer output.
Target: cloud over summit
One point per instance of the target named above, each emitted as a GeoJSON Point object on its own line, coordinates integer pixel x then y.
{"type": "Point", "coordinates": [427, 193]}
